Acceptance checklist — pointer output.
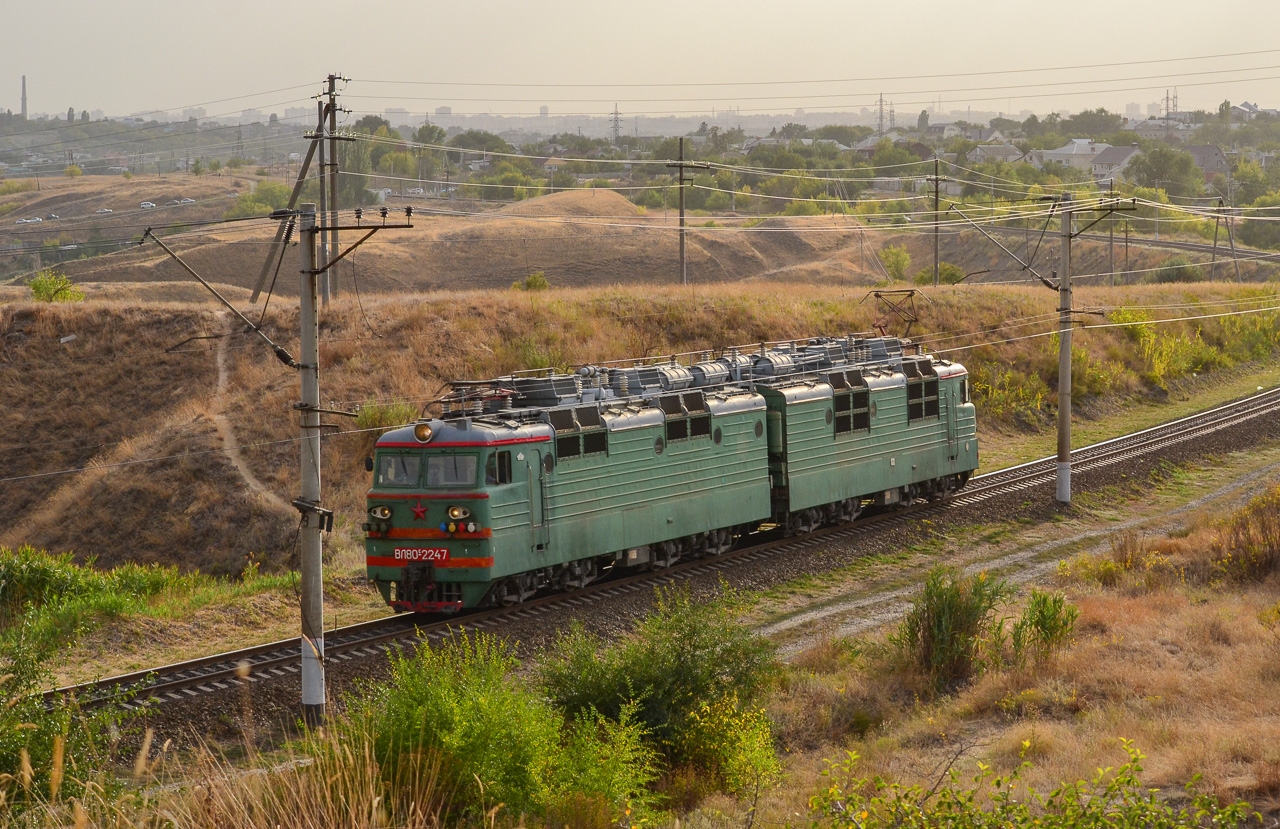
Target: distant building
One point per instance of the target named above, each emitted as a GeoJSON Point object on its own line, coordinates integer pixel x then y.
{"type": "Point", "coordinates": [444, 110]}
{"type": "Point", "coordinates": [1163, 128]}
{"type": "Point", "coordinates": [193, 112]}
{"type": "Point", "coordinates": [1210, 159]}
{"type": "Point", "coordinates": [943, 131]}
{"type": "Point", "coordinates": [397, 117]}
{"type": "Point", "coordinates": [984, 135]}
{"type": "Point", "coordinates": [1110, 163]}
{"type": "Point", "coordinates": [1078, 153]}
{"type": "Point", "coordinates": [984, 153]}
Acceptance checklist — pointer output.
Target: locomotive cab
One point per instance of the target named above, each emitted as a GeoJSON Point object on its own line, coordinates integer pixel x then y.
{"type": "Point", "coordinates": [453, 506]}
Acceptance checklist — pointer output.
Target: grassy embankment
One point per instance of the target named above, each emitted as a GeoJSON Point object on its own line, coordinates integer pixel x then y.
{"type": "Point", "coordinates": [114, 395]}
{"type": "Point", "coordinates": [1153, 660]}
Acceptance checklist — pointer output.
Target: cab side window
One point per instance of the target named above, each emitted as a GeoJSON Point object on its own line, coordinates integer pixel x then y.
{"type": "Point", "coordinates": [498, 469]}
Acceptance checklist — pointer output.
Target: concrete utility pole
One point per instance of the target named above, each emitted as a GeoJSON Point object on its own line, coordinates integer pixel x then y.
{"type": "Point", "coordinates": [681, 165]}
{"type": "Point", "coordinates": [1064, 356]}
{"type": "Point", "coordinates": [312, 566]}
{"type": "Point", "coordinates": [323, 259]}
{"type": "Point", "coordinates": [331, 278]}
{"type": "Point", "coordinates": [937, 217]}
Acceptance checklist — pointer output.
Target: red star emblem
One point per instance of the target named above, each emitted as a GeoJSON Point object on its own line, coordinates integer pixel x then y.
{"type": "Point", "coordinates": [419, 512]}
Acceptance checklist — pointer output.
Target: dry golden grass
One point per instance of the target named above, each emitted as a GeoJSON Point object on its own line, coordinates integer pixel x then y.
{"type": "Point", "coordinates": [1185, 667]}
{"type": "Point", "coordinates": [113, 395]}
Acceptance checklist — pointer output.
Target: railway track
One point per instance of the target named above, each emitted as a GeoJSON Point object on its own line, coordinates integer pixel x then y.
{"type": "Point", "coordinates": [224, 671]}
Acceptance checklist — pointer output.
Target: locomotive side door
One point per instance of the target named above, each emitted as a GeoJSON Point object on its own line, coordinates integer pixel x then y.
{"type": "Point", "coordinates": [537, 498]}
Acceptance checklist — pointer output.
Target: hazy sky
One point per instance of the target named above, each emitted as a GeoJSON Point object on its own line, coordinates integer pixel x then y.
{"type": "Point", "coordinates": [654, 57]}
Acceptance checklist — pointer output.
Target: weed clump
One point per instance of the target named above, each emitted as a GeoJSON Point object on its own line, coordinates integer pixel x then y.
{"type": "Point", "coordinates": [1112, 798]}
{"type": "Point", "coordinates": [941, 633]}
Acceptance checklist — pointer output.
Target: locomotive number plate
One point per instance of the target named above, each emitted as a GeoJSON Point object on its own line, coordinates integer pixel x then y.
{"type": "Point", "coordinates": [422, 553]}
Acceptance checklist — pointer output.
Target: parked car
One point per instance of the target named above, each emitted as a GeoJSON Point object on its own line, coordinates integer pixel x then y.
{"type": "Point", "coordinates": [416, 191]}
{"type": "Point", "coordinates": [104, 210]}
{"type": "Point", "coordinates": [172, 203]}
{"type": "Point", "coordinates": [53, 216]}
{"type": "Point", "coordinates": [146, 205]}
{"type": "Point", "coordinates": [34, 220]}
{"type": "Point", "coordinates": [20, 222]}
{"type": "Point", "coordinates": [188, 201]}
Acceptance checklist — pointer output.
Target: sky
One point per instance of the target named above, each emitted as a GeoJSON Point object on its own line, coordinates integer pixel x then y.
{"type": "Point", "coordinates": [650, 58]}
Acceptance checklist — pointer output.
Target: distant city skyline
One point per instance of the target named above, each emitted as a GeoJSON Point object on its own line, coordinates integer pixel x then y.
{"type": "Point", "coordinates": [661, 59]}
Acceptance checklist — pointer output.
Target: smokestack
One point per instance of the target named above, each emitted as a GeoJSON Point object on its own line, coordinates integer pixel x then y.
{"type": "Point", "coordinates": [24, 97]}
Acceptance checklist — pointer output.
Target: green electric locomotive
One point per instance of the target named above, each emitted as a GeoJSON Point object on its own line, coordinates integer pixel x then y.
{"type": "Point", "coordinates": [533, 483]}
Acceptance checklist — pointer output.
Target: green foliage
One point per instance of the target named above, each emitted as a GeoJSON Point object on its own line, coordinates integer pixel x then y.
{"type": "Point", "coordinates": [47, 753]}
{"type": "Point", "coordinates": [1166, 168]}
{"type": "Point", "coordinates": [896, 261]}
{"type": "Point", "coordinates": [1046, 625]}
{"type": "Point", "coordinates": [72, 171]}
{"type": "Point", "coordinates": [496, 740]}
{"type": "Point", "coordinates": [948, 274]}
{"type": "Point", "coordinates": [1009, 395]}
{"type": "Point", "coordinates": [941, 632]}
{"type": "Point", "coordinates": [1178, 269]}
{"type": "Point", "coordinates": [197, 167]}
{"type": "Point", "coordinates": [1113, 798]}
{"type": "Point", "coordinates": [801, 208]}
{"type": "Point", "coordinates": [736, 741]}
{"type": "Point", "coordinates": [536, 281]}
{"type": "Point", "coordinates": [1262, 228]}
{"type": "Point", "coordinates": [264, 198]}
{"type": "Point", "coordinates": [51, 286]}
{"type": "Point", "coordinates": [8, 188]}
{"type": "Point", "coordinates": [385, 415]}
{"type": "Point", "coordinates": [681, 658]}
{"type": "Point", "coordinates": [50, 600]}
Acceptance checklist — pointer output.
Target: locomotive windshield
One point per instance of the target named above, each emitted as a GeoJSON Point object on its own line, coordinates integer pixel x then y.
{"type": "Point", "coordinates": [451, 470]}
{"type": "Point", "coordinates": [398, 470]}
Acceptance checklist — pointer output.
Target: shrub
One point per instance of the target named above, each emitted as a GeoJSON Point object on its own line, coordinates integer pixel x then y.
{"type": "Point", "coordinates": [681, 658]}
{"type": "Point", "coordinates": [941, 632]}
{"type": "Point", "coordinates": [1178, 269]}
{"type": "Point", "coordinates": [46, 753]}
{"type": "Point", "coordinates": [1247, 548]}
{"type": "Point", "coordinates": [72, 171]}
{"type": "Point", "coordinates": [51, 286]}
{"type": "Point", "coordinates": [495, 740]}
{"type": "Point", "coordinates": [948, 274]}
{"type": "Point", "coordinates": [536, 281]}
{"type": "Point", "coordinates": [1112, 798]}
{"type": "Point", "coordinates": [896, 261]}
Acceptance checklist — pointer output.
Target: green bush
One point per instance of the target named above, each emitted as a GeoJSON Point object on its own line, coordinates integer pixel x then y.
{"type": "Point", "coordinates": [1113, 798]}
{"type": "Point", "coordinates": [1177, 269]}
{"type": "Point", "coordinates": [496, 740]}
{"type": "Point", "coordinates": [51, 286]}
{"type": "Point", "coordinates": [948, 274]}
{"type": "Point", "coordinates": [941, 634]}
{"type": "Point", "coordinates": [536, 281]}
{"type": "Point", "coordinates": [680, 662]}
{"type": "Point", "coordinates": [47, 753]}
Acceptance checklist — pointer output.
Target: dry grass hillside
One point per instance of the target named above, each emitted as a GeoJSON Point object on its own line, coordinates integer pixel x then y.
{"type": "Point", "coordinates": [190, 445]}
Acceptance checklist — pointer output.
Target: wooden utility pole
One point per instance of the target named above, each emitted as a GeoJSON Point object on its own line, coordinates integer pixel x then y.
{"type": "Point", "coordinates": [312, 565]}
{"type": "Point", "coordinates": [682, 165]}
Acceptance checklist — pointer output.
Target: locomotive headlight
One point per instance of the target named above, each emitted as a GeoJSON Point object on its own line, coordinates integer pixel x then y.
{"type": "Point", "coordinates": [380, 512]}
{"type": "Point", "coordinates": [458, 513]}
{"type": "Point", "coordinates": [422, 432]}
